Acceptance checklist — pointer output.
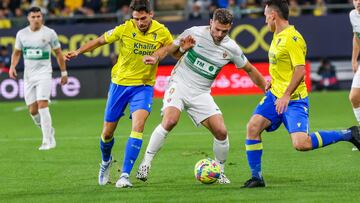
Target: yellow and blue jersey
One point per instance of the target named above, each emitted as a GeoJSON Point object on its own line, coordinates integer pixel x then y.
{"type": "Point", "coordinates": [134, 45]}
{"type": "Point", "coordinates": [287, 50]}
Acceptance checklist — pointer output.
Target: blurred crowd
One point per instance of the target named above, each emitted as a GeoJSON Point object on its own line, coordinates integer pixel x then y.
{"type": "Point", "coordinates": [200, 9]}
{"type": "Point", "coordinates": [61, 8]}
{"type": "Point", "coordinates": [5, 60]}
{"type": "Point", "coordinates": [194, 9]}
{"type": "Point", "coordinates": [17, 8]}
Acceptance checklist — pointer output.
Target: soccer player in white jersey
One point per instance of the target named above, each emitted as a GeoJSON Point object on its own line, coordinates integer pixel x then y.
{"type": "Point", "coordinates": [206, 49]}
{"type": "Point", "coordinates": [355, 87]}
{"type": "Point", "coordinates": [35, 42]}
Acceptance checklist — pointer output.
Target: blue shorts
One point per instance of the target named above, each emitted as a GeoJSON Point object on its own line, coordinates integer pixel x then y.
{"type": "Point", "coordinates": [295, 119]}
{"type": "Point", "coordinates": [139, 97]}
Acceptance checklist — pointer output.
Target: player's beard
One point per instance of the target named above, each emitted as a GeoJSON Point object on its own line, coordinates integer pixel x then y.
{"type": "Point", "coordinates": [217, 40]}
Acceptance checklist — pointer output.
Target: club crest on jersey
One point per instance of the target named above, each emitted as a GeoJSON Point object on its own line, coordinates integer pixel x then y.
{"type": "Point", "coordinates": [154, 36]}
{"type": "Point", "coordinates": [295, 38]}
{"type": "Point", "coordinates": [133, 34]}
{"type": "Point", "coordinates": [225, 54]}
{"type": "Point", "coordinates": [172, 90]}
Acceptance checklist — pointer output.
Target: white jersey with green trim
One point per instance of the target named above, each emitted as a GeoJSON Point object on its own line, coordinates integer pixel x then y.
{"type": "Point", "coordinates": [200, 65]}
{"type": "Point", "coordinates": [355, 21]}
{"type": "Point", "coordinates": [36, 49]}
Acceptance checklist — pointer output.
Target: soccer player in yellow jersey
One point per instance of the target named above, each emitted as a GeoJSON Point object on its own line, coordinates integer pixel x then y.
{"type": "Point", "coordinates": [286, 100]}
{"type": "Point", "coordinates": [131, 83]}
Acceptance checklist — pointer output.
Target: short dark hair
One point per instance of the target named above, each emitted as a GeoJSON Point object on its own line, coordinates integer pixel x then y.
{"type": "Point", "coordinates": [223, 16]}
{"type": "Point", "coordinates": [34, 10]}
{"type": "Point", "coordinates": [140, 5]}
{"type": "Point", "coordinates": [280, 6]}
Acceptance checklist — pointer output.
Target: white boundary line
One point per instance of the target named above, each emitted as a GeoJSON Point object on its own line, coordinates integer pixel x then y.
{"type": "Point", "coordinates": [231, 132]}
{"type": "Point", "coordinates": [24, 107]}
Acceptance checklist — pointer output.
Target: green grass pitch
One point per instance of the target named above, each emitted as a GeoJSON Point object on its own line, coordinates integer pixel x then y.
{"type": "Point", "coordinates": [69, 172]}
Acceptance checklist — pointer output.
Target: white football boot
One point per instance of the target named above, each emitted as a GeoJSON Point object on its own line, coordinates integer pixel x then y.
{"type": "Point", "coordinates": [104, 172]}
{"type": "Point", "coordinates": [223, 179]}
{"type": "Point", "coordinates": [50, 142]}
{"type": "Point", "coordinates": [124, 181]}
{"type": "Point", "coordinates": [143, 171]}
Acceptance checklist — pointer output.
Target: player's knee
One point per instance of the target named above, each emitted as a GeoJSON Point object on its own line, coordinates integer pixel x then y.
{"type": "Point", "coordinates": [169, 123]}
{"type": "Point", "coordinates": [33, 111]}
{"type": "Point", "coordinates": [301, 146]}
{"type": "Point", "coordinates": [221, 134]}
{"type": "Point", "coordinates": [253, 130]}
{"type": "Point", "coordinates": [138, 126]}
{"type": "Point", "coordinates": [355, 100]}
{"type": "Point", "coordinates": [42, 104]}
{"type": "Point", "coordinates": [107, 135]}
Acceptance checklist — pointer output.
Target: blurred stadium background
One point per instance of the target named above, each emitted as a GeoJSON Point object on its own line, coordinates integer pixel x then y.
{"type": "Point", "coordinates": [323, 23]}
{"type": "Point", "coordinates": [69, 173]}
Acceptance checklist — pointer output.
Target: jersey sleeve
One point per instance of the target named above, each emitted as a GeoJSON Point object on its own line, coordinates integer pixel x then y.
{"type": "Point", "coordinates": [54, 40]}
{"type": "Point", "coordinates": [184, 34]}
{"type": "Point", "coordinates": [297, 51]}
{"type": "Point", "coordinates": [114, 34]}
{"type": "Point", "coordinates": [351, 16]}
{"type": "Point", "coordinates": [239, 58]}
{"type": "Point", "coordinates": [18, 44]}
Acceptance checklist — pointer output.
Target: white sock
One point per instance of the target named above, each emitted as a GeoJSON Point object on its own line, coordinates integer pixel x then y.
{"type": "Point", "coordinates": [357, 114]}
{"type": "Point", "coordinates": [36, 119]}
{"type": "Point", "coordinates": [46, 123]}
{"type": "Point", "coordinates": [157, 140]}
{"type": "Point", "coordinates": [221, 150]}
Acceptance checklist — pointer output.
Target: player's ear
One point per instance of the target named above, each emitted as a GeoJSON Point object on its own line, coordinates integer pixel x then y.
{"type": "Point", "coordinates": [151, 14]}
{"type": "Point", "coordinates": [273, 14]}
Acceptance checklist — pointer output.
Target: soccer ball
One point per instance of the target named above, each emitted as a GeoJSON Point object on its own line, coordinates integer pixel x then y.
{"type": "Point", "coordinates": [207, 171]}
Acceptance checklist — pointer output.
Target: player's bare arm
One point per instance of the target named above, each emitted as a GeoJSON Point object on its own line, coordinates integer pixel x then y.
{"type": "Point", "coordinates": [89, 46]}
{"type": "Point", "coordinates": [61, 61]}
{"type": "Point", "coordinates": [255, 76]}
{"type": "Point", "coordinates": [283, 102]}
{"type": "Point", "coordinates": [172, 49]}
{"type": "Point", "coordinates": [355, 53]}
{"type": "Point", "coordinates": [14, 61]}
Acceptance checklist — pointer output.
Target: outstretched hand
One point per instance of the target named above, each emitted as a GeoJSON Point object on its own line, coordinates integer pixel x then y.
{"type": "Point", "coordinates": [187, 42]}
{"type": "Point", "coordinates": [64, 80]}
{"type": "Point", "coordinates": [268, 86]}
{"type": "Point", "coordinates": [70, 55]}
{"type": "Point", "coordinates": [12, 73]}
{"type": "Point", "coordinates": [150, 60]}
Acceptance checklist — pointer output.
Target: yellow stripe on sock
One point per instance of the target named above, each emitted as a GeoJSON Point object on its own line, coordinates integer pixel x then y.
{"type": "Point", "coordinates": [253, 147]}
{"type": "Point", "coordinates": [106, 141]}
{"type": "Point", "coordinates": [319, 139]}
{"type": "Point", "coordinates": [136, 135]}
